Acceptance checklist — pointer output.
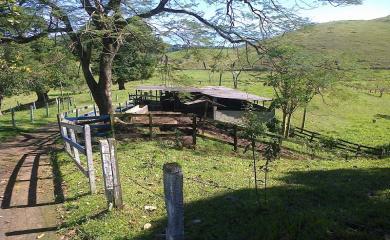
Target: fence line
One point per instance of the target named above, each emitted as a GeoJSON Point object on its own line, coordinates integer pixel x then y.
{"type": "Point", "coordinates": [68, 132]}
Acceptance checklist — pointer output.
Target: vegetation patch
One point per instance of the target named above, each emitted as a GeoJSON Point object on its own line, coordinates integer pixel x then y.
{"type": "Point", "coordinates": [307, 199]}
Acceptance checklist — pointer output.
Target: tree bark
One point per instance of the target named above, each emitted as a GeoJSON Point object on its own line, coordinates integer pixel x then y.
{"type": "Point", "coordinates": [284, 122]}
{"type": "Point", "coordinates": [288, 125]}
{"type": "Point", "coordinates": [43, 97]}
{"type": "Point", "coordinates": [1, 102]}
{"type": "Point", "coordinates": [101, 91]}
{"type": "Point", "coordinates": [121, 84]}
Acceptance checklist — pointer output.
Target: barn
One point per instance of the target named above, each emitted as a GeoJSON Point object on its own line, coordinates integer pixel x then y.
{"type": "Point", "coordinates": [212, 102]}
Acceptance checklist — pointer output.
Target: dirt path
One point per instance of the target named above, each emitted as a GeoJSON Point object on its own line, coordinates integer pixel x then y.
{"type": "Point", "coordinates": [27, 186]}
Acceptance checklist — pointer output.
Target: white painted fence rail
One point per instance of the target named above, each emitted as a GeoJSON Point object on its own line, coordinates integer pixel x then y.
{"type": "Point", "coordinates": [68, 132]}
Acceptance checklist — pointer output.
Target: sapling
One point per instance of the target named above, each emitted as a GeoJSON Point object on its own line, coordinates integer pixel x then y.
{"type": "Point", "coordinates": [253, 128]}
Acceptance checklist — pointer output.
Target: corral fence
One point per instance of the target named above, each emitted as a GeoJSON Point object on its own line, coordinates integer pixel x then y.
{"type": "Point", "coordinates": [336, 143]}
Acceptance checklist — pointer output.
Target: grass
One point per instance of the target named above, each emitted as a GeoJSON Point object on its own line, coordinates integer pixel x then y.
{"type": "Point", "coordinates": [365, 41]}
{"type": "Point", "coordinates": [307, 199]}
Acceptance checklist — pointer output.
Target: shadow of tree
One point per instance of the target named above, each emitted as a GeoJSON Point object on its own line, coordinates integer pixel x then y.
{"type": "Point", "coordinates": [329, 204]}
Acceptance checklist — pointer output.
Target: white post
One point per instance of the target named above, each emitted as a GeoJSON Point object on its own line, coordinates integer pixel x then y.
{"type": "Point", "coordinates": [88, 149]}
{"type": "Point", "coordinates": [173, 190]}
{"type": "Point", "coordinates": [75, 150]}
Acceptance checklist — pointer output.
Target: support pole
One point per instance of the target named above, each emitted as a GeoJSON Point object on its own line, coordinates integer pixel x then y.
{"type": "Point", "coordinates": [150, 126]}
{"type": "Point", "coordinates": [235, 138]}
{"type": "Point", "coordinates": [303, 119]}
{"type": "Point", "coordinates": [194, 130]}
{"type": "Point", "coordinates": [47, 109]}
{"type": "Point", "coordinates": [88, 149]}
{"type": "Point", "coordinates": [13, 117]}
{"type": "Point", "coordinates": [32, 113]}
{"type": "Point", "coordinates": [173, 191]}
{"type": "Point", "coordinates": [112, 183]}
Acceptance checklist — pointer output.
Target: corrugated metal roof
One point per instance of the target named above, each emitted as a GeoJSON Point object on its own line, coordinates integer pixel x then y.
{"type": "Point", "coordinates": [212, 91]}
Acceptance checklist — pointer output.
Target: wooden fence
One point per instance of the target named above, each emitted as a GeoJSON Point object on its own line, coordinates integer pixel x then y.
{"type": "Point", "coordinates": [151, 123]}
{"type": "Point", "coordinates": [336, 143]}
{"type": "Point", "coordinates": [74, 148]}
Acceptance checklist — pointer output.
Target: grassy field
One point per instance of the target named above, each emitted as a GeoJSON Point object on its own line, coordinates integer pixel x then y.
{"type": "Point", "coordinates": [364, 41]}
{"type": "Point", "coordinates": [307, 199]}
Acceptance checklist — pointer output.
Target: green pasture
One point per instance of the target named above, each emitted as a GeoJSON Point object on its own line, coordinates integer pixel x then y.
{"type": "Point", "coordinates": [306, 199]}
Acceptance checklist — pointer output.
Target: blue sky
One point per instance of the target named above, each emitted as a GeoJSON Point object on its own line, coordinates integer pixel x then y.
{"type": "Point", "coordinates": [370, 9]}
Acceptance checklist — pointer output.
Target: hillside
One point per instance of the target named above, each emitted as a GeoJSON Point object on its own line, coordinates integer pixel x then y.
{"type": "Point", "coordinates": [366, 41]}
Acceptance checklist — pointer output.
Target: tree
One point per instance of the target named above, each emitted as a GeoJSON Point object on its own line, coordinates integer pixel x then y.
{"type": "Point", "coordinates": [137, 58]}
{"type": "Point", "coordinates": [296, 78]}
{"type": "Point", "coordinates": [9, 76]}
{"type": "Point", "coordinates": [53, 67]}
{"type": "Point", "coordinates": [107, 22]}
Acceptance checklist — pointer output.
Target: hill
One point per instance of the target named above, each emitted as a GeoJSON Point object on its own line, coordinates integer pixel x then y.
{"type": "Point", "coordinates": [366, 41]}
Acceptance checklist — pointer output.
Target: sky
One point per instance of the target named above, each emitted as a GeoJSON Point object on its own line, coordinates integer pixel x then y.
{"type": "Point", "coordinates": [370, 9]}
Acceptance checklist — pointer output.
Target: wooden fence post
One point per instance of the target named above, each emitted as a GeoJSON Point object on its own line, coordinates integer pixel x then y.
{"type": "Point", "coordinates": [112, 183]}
{"type": "Point", "coordinates": [94, 109]}
{"type": "Point", "coordinates": [173, 191]}
{"type": "Point", "coordinates": [58, 105]}
{"type": "Point", "coordinates": [116, 97]}
{"type": "Point", "coordinates": [75, 150]}
{"type": "Point", "coordinates": [77, 113]}
{"type": "Point", "coordinates": [64, 132]}
{"type": "Point", "coordinates": [32, 113]}
{"type": "Point", "coordinates": [35, 106]}
{"type": "Point", "coordinates": [88, 149]}
{"type": "Point", "coordinates": [47, 109]}
{"type": "Point", "coordinates": [194, 130]}
{"type": "Point", "coordinates": [150, 126]}
{"type": "Point", "coordinates": [235, 138]}
{"type": "Point", "coordinates": [13, 117]}
{"type": "Point", "coordinates": [120, 107]}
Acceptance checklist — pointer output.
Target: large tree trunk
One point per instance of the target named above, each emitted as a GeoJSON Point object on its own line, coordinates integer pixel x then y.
{"type": "Point", "coordinates": [121, 84]}
{"type": "Point", "coordinates": [1, 102]}
{"type": "Point", "coordinates": [101, 91]}
{"type": "Point", "coordinates": [42, 96]}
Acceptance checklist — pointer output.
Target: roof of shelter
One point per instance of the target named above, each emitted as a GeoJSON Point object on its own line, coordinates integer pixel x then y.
{"type": "Point", "coordinates": [212, 91]}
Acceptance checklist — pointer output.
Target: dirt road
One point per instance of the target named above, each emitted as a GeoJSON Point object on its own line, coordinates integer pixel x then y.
{"type": "Point", "coordinates": [28, 189]}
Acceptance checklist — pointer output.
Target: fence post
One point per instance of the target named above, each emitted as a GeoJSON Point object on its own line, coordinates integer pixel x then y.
{"type": "Point", "coordinates": [32, 113]}
{"type": "Point", "coordinates": [107, 172]}
{"type": "Point", "coordinates": [47, 109]}
{"type": "Point", "coordinates": [120, 107]}
{"type": "Point", "coordinates": [194, 130]}
{"type": "Point", "coordinates": [67, 145]}
{"type": "Point", "coordinates": [88, 149]}
{"type": "Point", "coordinates": [58, 105]}
{"type": "Point", "coordinates": [111, 173]}
{"type": "Point", "coordinates": [173, 191]}
{"type": "Point", "coordinates": [35, 106]}
{"type": "Point", "coordinates": [75, 150]}
{"type": "Point", "coordinates": [358, 151]}
{"type": "Point", "coordinates": [116, 97]}
{"type": "Point", "coordinates": [235, 140]}
{"type": "Point", "coordinates": [77, 113]}
{"type": "Point", "coordinates": [150, 126]}
{"type": "Point", "coordinates": [13, 117]}
{"type": "Point", "coordinates": [94, 109]}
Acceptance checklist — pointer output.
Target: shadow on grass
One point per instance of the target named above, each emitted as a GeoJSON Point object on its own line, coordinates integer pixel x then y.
{"type": "Point", "coordinates": [335, 204]}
